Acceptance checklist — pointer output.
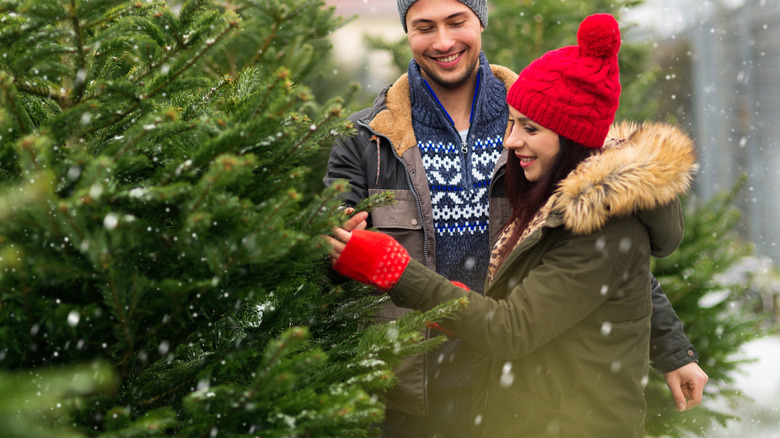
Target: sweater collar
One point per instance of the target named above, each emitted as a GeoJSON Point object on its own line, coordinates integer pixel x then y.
{"type": "Point", "coordinates": [393, 116]}
{"type": "Point", "coordinates": [490, 96]}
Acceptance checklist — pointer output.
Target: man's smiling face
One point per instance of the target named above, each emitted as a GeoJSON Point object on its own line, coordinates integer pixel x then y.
{"type": "Point", "coordinates": [446, 39]}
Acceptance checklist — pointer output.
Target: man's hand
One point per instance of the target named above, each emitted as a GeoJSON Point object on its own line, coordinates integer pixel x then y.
{"type": "Point", "coordinates": [687, 385]}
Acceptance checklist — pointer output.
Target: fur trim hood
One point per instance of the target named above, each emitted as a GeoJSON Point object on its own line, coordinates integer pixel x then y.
{"type": "Point", "coordinates": [641, 167]}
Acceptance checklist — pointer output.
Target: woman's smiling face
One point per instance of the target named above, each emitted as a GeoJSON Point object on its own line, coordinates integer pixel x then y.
{"type": "Point", "coordinates": [534, 145]}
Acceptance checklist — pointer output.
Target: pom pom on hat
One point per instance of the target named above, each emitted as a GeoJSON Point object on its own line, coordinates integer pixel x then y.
{"type": "Point", "coordinates": [599, 36]}
{"type": "Point", "coordinates": [574, 90]}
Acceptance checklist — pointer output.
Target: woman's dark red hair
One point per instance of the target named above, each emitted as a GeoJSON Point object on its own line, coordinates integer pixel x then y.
{"type": "Point", "coordinates": [526, 197]}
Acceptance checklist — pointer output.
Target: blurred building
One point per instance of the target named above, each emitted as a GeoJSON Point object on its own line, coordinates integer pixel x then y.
{"type": "Point", "coordinates": [735, 83]}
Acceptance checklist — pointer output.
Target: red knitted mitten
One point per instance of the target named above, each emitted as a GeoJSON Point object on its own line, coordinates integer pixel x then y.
{"type": "Point", "coordinates": [373, 258]}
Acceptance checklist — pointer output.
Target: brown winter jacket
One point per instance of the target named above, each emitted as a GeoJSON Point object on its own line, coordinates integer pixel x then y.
{"type": "Point", "coordinates": [562, 333]}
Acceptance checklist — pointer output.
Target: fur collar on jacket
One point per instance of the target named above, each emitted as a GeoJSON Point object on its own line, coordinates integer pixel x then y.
{"type": "Point", "coordinates": [641, 167]}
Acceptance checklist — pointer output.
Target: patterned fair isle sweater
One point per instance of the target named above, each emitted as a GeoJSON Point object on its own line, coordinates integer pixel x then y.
{"type": "Point", "coordinates": [458, 175]}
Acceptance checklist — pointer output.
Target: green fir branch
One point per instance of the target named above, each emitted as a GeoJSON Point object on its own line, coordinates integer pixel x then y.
{"type": "Point", "coordinates": [79, 76]}
{"type": "Point", "coordinates": [13, 105]}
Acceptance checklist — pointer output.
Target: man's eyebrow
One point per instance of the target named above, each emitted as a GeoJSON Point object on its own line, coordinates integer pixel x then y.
{"type": "Point", "coordinates": [426, 20]}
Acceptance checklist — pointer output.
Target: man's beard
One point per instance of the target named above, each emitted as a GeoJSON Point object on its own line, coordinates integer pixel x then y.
{"type": "Point", "coordinates": [451, 85]}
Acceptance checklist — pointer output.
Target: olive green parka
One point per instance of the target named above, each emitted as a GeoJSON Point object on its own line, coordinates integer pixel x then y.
{"type": "Point", "coordinates": [561, 333]}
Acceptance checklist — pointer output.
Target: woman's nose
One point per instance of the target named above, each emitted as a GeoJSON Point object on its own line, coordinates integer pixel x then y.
{"type": "Point", "coordinates": [513, 141]}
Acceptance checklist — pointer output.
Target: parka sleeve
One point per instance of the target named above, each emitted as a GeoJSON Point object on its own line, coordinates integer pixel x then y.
{"type": "Point", "coordinates": [346, 163]}
{"type": "Point", "coordinates": [669, 347]}
{"type": "Point", "coordinates": [573, 280]}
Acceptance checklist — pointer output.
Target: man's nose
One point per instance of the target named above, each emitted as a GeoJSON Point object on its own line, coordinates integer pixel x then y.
{"type": "Point", "coordinates": [444, 40]}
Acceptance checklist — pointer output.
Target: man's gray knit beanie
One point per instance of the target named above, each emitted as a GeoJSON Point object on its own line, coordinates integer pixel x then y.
{"type": "Point", "coordinates": [478, 6]}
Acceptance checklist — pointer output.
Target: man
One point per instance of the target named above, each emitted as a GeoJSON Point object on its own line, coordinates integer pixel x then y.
{"type": "Point", "coordinates": [434, 138]}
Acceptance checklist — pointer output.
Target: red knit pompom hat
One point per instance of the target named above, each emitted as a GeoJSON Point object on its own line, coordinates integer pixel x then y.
{"type": "Point", "coordinates": [574, 90]}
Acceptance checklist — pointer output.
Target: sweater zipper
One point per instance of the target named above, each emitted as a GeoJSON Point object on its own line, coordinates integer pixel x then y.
{"type": "Point", "coordinates": [465, 147]}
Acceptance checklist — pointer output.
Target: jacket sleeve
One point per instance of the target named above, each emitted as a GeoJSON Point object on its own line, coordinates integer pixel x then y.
{"type": "Point", "coordinates": [346, 163]}
{"type": "Point", "coordinates": [669, 347]}
{"type": "Point", "coordinates": [540, 307]}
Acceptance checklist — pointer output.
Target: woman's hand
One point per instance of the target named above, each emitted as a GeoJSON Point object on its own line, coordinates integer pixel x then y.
{"type": "Point", "coordinates": [368, 257]}
{"type": "Point", "coordinates": [341, 235]}
{"type": "Point", "coordinates": [356, 222]}
{"type": "Point", "coordinates": [687, 385]}
{"type": "Point", "coordinates": [338, 241]}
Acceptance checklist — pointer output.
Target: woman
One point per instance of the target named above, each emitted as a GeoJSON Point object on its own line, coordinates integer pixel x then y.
{"type": "Point", "coordinates": [561, 333]}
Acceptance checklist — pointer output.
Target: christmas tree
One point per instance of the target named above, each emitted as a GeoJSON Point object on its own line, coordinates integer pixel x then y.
{"type": "Point", "coordinates": [162, 270]}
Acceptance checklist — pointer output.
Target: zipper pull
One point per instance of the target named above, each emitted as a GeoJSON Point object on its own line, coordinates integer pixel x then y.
{"type": "Point", "coordinates": [464, 148]}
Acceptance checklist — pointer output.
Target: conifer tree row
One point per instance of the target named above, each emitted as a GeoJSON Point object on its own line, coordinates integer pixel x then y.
{"type": "Point", "coordinates": [162, 269]}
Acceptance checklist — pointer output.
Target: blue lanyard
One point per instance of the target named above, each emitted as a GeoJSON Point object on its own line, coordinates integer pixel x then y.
{"type": "Point", "coordinates": [473, 102]}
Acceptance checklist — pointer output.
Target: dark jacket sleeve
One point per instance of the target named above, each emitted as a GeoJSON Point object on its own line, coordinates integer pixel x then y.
{"type": "Point", "coordinates": [346, 162]}
{"type": "Point", "coordinates": [669, 347]}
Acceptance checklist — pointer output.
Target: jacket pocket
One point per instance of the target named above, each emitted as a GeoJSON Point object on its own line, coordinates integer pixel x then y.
{"type": "Point", "coordinates": [403, 214]}
{"type": "Point", "coordinates": [402, 222]}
